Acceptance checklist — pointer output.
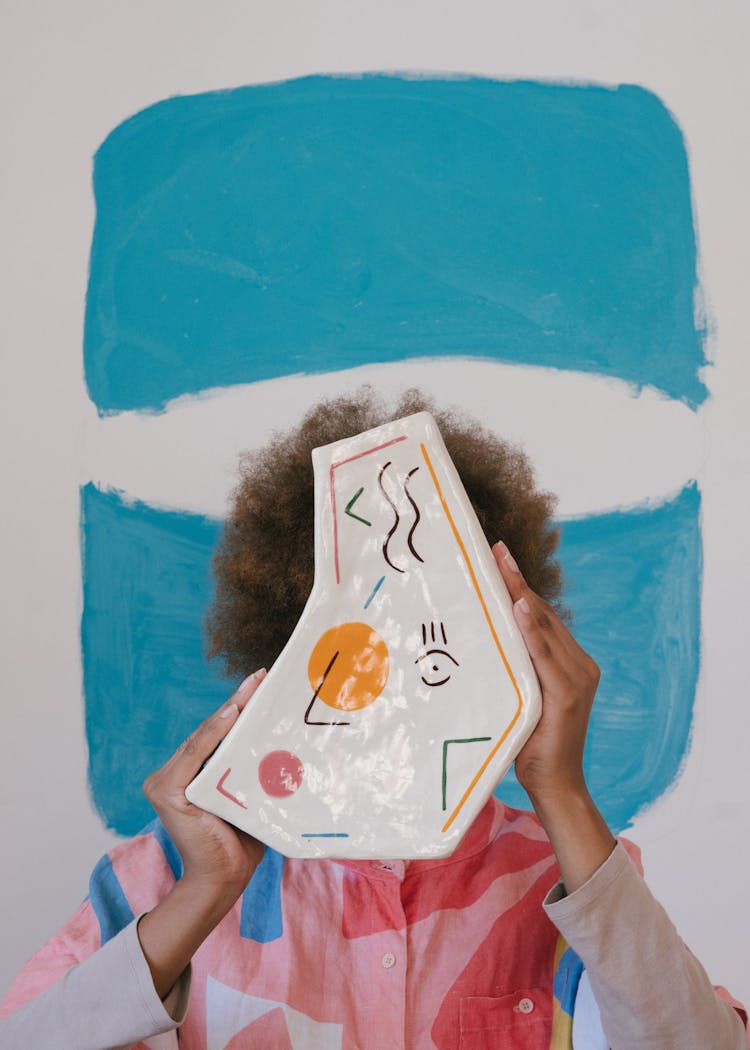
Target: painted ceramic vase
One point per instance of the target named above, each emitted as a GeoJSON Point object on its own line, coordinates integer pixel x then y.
{"type": "Point", "coordinates": [405, 690]}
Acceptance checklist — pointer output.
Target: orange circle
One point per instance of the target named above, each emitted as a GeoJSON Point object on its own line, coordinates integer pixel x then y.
{"type": "Point", "coordinates": [359, 672]}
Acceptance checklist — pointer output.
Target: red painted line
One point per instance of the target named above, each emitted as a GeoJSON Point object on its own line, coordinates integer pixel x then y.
{"type": "Point", "coordinates": [377, 448]}
{"type": "Point", "coordinates": [335, 525]}
{"type": "Point", "coordinates": [222, 790]}
{"type": "Point", "coordinates": [341, 463]}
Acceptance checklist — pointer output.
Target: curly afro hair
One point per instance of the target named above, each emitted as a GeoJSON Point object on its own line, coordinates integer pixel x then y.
{"type": "Point", "coordinates": [264, 563]}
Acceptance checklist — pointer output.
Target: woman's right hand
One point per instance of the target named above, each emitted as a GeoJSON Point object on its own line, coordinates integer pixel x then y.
{"type": "Point", "coordinates": [218, 860]}
{"type": "Point", "coordinates": [213, 852]}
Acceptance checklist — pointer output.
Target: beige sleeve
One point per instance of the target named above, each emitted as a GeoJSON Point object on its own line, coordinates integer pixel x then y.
{"type": "Point", "coordinates": [107, 1002]}
{"type": "Point", "coordinates": [652, 993]}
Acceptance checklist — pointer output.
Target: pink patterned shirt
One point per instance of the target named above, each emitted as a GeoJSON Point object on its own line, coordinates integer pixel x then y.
{"type": "Point", "coordinates": [344, 955]}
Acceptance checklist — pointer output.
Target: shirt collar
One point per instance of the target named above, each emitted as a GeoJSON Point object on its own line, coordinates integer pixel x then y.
{"type": "Point", "coordinates": [481, 833]}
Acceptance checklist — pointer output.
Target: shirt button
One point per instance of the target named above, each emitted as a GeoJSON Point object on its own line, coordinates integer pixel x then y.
{"type": "Point", "coordinates": [525, 1006]}
{"type": "Point", "coordinates": [389, 960]}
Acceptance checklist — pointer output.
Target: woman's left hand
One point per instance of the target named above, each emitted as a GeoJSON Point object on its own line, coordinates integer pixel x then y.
{"type": "Point", "coordinates": [552, 760]}
{"type": "Point", "coordinates": [550, 765]}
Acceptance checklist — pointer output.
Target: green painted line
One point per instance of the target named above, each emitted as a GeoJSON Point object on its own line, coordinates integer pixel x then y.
{"type": "Point", "coordinates": [351, 503]}
{"type": "Point", "coordinates": [465, 740]}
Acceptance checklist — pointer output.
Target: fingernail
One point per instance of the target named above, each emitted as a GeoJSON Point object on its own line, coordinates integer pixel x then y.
{"type": "Point", "coordinates": [250, 679]}
{"type": "Point", "coordinates": [523, 606]}
{"type": "Point", "coordinates": [507, 556]}
{"type": "Point", "coordinates": [228, 710]}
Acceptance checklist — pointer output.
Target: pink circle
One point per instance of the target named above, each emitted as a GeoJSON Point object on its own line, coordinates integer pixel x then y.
{"type": "Point", "coordinates": [280, 773]}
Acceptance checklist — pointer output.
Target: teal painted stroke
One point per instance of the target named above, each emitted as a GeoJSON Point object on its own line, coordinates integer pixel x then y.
{"type": "Point", "coordinates": [317, 224]}
{"type": "Point", "coordinates": [634, 588]}
{"type": "Point", "coordinates": [146, 585]}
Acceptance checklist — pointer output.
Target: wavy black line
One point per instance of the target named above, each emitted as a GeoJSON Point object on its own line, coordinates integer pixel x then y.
{"type": "Point", "coordinates": [392, 505]}
{"type": "Point", "coordinates": [417, 515]}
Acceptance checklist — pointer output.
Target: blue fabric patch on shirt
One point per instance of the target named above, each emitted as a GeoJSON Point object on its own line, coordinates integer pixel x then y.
{"type": "Point", "coordinates": [261, 918]}
{"type": "Point", "coordinates": [108, 900]}
{"type": "Point", "coordinates": [171, 854]}
{"type": "Point", "coordinates": [567, 979]}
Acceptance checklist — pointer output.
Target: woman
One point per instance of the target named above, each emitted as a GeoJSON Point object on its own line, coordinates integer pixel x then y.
{"type": "Point", "coordinates": [194, 928]}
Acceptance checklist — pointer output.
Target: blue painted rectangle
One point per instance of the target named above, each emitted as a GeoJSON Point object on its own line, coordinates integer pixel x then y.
{"type": "Point", "coordinates": [634, 580]}
{"type": "Point", "coordinates": [146, 586]}
{"type": "Point", "coordinates": [327, 222]}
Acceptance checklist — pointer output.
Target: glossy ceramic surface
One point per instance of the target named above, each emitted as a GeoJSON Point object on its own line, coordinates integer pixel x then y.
{"type": "Point", "coordinates": [405, 691]}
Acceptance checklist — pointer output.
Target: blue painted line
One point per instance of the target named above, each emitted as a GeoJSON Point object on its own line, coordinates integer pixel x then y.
{"type": "Point", "coordinates": [324, 835]}
{"type": "Point", "coordinates": [108, 900]}
{"type": "Point", "coordinates": [375, 590]}
{"type": "Point", "coordinates": [261, 916]}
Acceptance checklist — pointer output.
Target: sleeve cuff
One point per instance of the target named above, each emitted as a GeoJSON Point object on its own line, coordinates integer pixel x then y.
{"type": "Point", "coordinates": [172, 1009]}
{"type": "Point", "coordinates": [109, 1000]}
{"type": "Point", "coordinates": [562, 908]}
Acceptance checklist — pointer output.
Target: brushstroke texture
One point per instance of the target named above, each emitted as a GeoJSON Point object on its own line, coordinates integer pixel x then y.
{"type": "Point", "coordinates": [146, 586]}
{"type": "Point", "coordinates": [327, 222]}
{"type": "Point", "coordinates": [634, 586]}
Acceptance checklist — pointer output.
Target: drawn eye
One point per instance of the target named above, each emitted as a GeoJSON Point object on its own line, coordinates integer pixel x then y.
{"type": "Point", "coordinates": [435, 667]}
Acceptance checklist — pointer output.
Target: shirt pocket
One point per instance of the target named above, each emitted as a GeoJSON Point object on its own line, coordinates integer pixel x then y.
{"type": "Point", "coordinates": [517, 1021]}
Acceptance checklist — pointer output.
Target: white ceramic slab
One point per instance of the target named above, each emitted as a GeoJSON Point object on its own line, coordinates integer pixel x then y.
{"type": "Point", "coordinates": [405, 691]}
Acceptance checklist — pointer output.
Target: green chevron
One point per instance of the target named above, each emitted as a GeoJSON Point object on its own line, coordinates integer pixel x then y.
{"type": "Point", "coordinates": [351, 503]}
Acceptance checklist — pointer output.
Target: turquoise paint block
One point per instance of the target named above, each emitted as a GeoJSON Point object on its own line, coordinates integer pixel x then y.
{"type": "Point", "coordinates": [322, 223]}
{"type": "Point", "coordinates": [146, 585]}
{"type": "Point", "coordinates": [634, 587]}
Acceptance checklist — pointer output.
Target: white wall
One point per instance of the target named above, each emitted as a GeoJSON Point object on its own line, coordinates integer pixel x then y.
{"type": "Point", "coordinates": [71, 73]}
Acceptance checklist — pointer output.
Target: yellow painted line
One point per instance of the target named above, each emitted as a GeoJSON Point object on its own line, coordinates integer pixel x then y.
{"type": "Point", "coordinates": [493, 632]}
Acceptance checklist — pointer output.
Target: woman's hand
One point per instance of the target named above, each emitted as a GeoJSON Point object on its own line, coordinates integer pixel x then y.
{"type": "Point", "coordinates": [213, 852]}
{"type": "Point", "coordinates": [218, 860]}
{"type": "Point", "coordinates": [552, 760]}
{"type": "Point", "coordinates": [550, 765]}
